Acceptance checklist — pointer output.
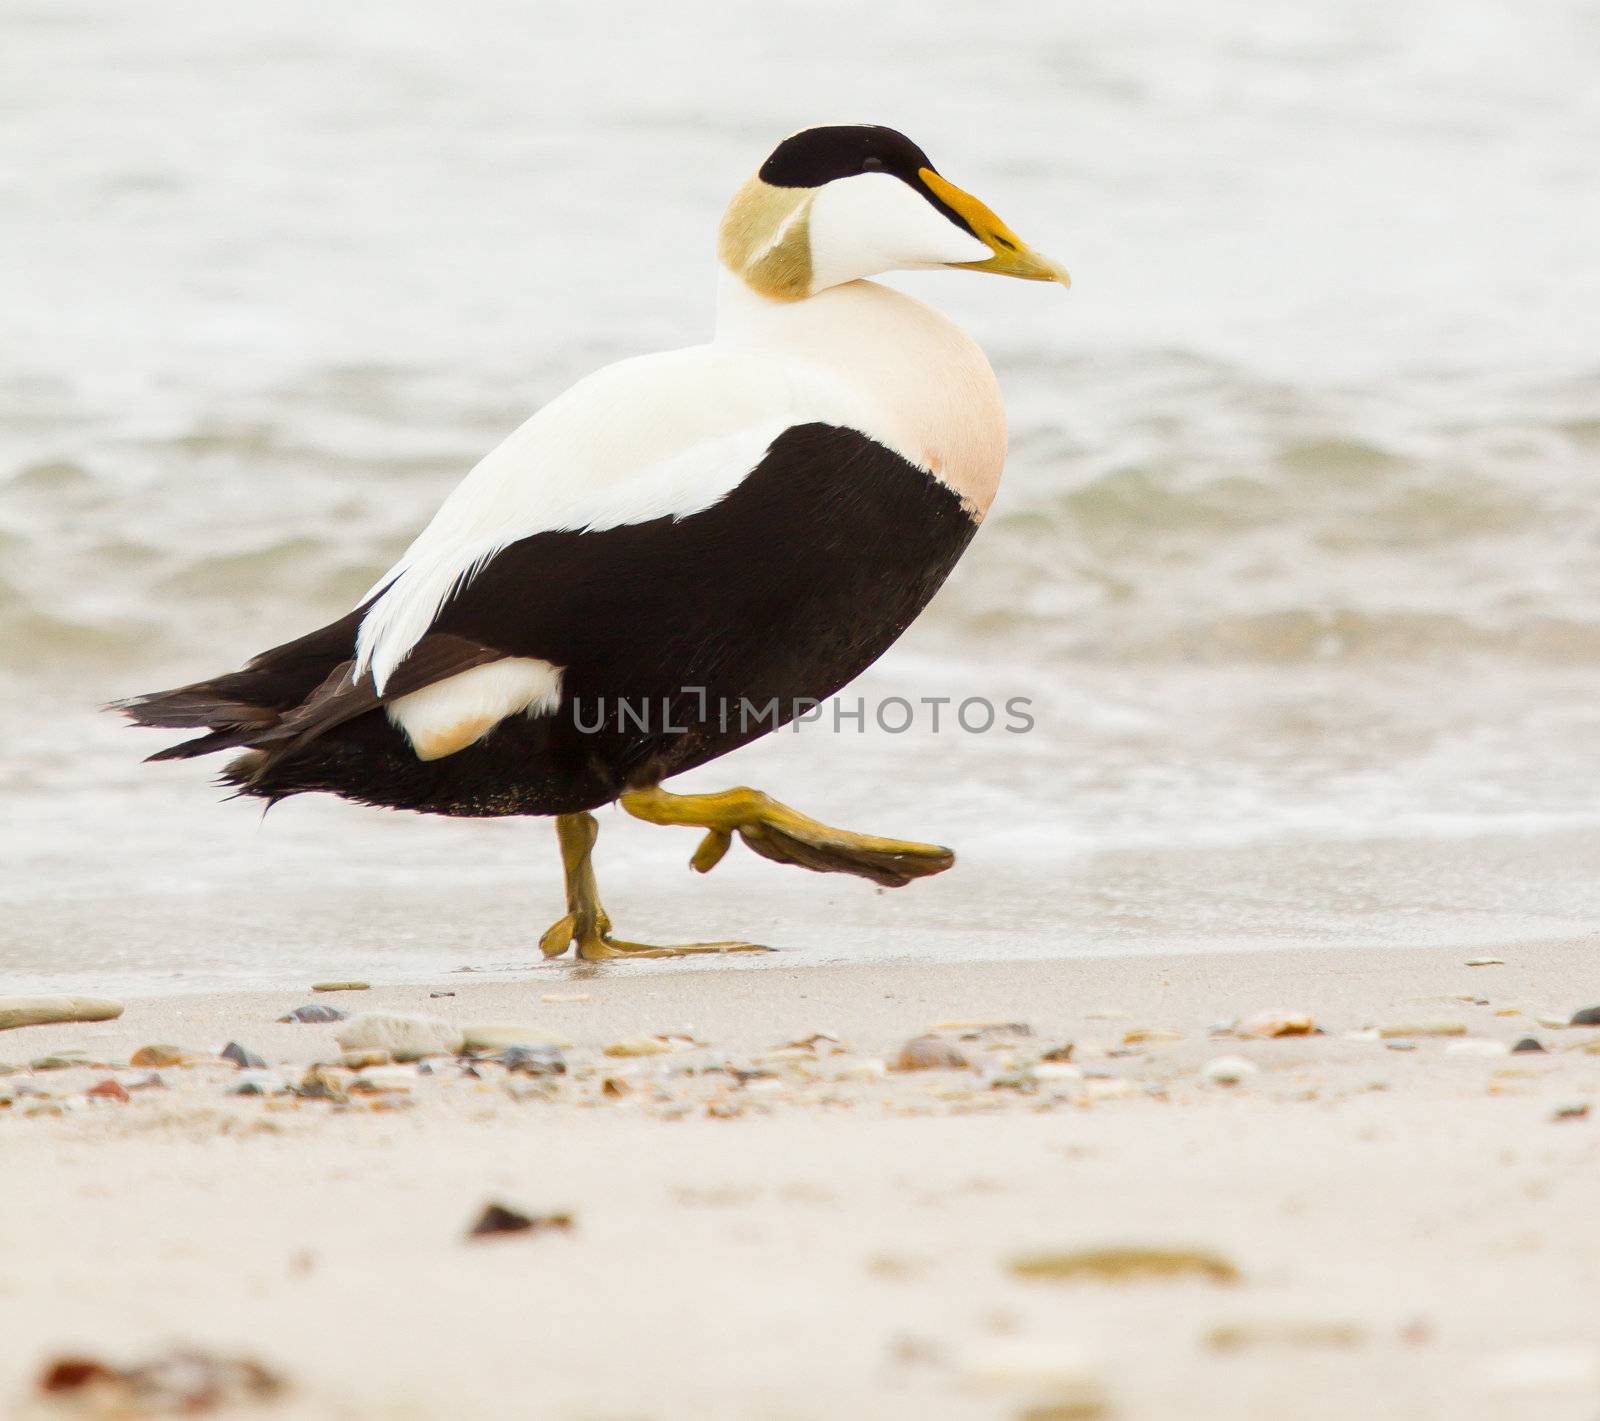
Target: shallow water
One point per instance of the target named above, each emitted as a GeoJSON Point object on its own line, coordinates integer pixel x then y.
{"type": "Point", "coordinates": [1298, 556]}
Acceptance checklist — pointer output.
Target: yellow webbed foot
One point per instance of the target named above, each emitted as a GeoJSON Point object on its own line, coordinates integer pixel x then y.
{"type": "Point", "coordinates": [784, 835]}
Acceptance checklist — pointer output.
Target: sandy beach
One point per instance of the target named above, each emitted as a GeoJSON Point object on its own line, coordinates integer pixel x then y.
{"type": "Point", "coordinates": [768, 1230]}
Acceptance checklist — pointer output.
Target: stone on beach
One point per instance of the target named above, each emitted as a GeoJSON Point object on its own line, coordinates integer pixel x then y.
{"type": "Point", "coordinates": [258, 1083]}
{"type": "Point", "coordinates": [108, 1089]}
{"type": "Point", "coordinates": [50, 1011]}
{"type": "Point", "coordinates": [62, 1060]}
{"type": "Point", "coordinates": [1476, 1046]}
{"type": "Point", "coordinates": [243, 1057]}
{"type": "Point", "coordinates": [1228, 1070]}
{"type": "Point", "coordinates": [485, 1038]}
{"type": "Point", "coordinates": [379, 1080]}
{"type": "Point", "coordinates": [1054, 1378]}
{"type": "Point", "coordinates": [1276, 1021]}
{"type": "Point", "coordinates": [1528, 1045]}
{"type": "Point", "coordinates": [642, 1046]}
{"type": "Point", "coordinates": [931, 1053]}
{"type": "Point", "coordinates": [406, 1036]}
{"type": "Point", "coordinates": [1586, 1016]}
{"type": "Point", "coordinates": [161, 1054]}
{"type": "Point", "coordinates": [314, 1014]}
{"type": "Point", "coordinates": [183, 1382]}
{"type": "Point", "coordinates": [534, 1060]}
{"type": "Point", "coordinates": [1284, 1333]}
{"type": "Point", "coordinates": [1149, 1035]}
{"type": "Point", "coordinates": [502, 1219]}
{"type": "Point", "coordinates": [1124, 1263]}
{"type": "Point", "coordinates": [1400, 1030]}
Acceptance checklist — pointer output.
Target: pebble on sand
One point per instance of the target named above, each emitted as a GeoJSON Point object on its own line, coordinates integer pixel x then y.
{"type": "Point", "coordinates": [501, 1219]}
{"type": "Point", "coordinates": [159, 1055]}
{"type": "Point", "coordinates": [407, 1036]}
{"type": "Point", "coordinates": [1486, 962]}
{"type": "Point", "coordinates": [49, 1011]}
{"type": "Point", "coordinates": [1586, 1016]}
{"type": "Point", "coordinates": [1528, 1045]}
{"type": "Point", "coordinates": [258, 1083]}
{"type": "Point", "coordinates": [314, 1014]}
{"type": "Point", "coordinates": [931, 1053]}
{"type": "Point", "coordinates": [1149, 1035]}
{"type": "Point", "coordinates": [108, 1089]}
{"type": "Point", "coordinates": [184, 1382]}
{"type": "Point", "coordinates": [1399, 1030]}
{"type": "Point", "coordinates": [485, 1038]}
{"type": "Point", "coordinates": [341, 986]}
{"type": "Point", "coordinates": [243, 1057]}
{"type": "Point", "coordinates": [1476, 1046]}
{"type": "Point", "coordinates": [534, 1061]}
{"type": "Point", "coordinates": [1228, 1070]}
{"type": "Point", "coordinates": [1284, 1332]}
{"type": "Point", "coordinates": [1578, 1110]}
{"type": "Point", "coordinates": [1054, 1378]}
{"type": "Point", "coordinates": [1124, 1263]}
{"type": "Point", "coordinates": [642, 1046]}
{"type": "Point", "coordinates": [380, 1080]}
{"type": "Point", "coordinates": [1276, 1021]}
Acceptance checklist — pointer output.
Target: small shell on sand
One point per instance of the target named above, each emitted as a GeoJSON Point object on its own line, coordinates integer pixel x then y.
{"type": "Point", "coordinates": [1437, 1027]}
{"type": "Point", "coordinates": [1276, 1022]}
{"type": "Point", "coordinates": [1229, 1070]}
{"type": "Point", "coordinates": [377, 1080]}
{"type": "Point", "coordinates": [1476, 1046]}
{"type": "Point", "coordinates": [930, 1053]}
{"type": "Point", "coordinates": [315, 1014]}
{"type": "Point", "coordinates": [1056, 1378]}
{"type": "Point", "coordinates": [341, 986]}
{"type": "Point", "coordinates": [158, 1056]}
{"type": "Point", "coordinates": [407, 1036]}
{"type": "Point", "coordinates": [641, 1046]}
{"type": "Point", "coordinates": [485, 1038]}
{"type": "Point", "coordinates": [258, 1083]}
{"type": "Point", "coordinates": [1284, 1333]}
{"type": "Point", "coordinates": [1124, 1263]}
{"type": "Point", "coordinates": [502, 1219]}
{"type": "Point", "coordinates": [1486, 962]}
{"type": "Point", "coordinates": [47, 1011]}
{"type": "Point", "coordinates": [1149, 1035]}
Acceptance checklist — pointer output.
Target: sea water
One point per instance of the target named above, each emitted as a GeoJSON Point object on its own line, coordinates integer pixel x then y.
{"type": "Point", "coordinates": [1296, 564]}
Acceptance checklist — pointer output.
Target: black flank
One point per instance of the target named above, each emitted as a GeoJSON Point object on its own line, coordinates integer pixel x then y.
{"type": "Point", "coordinates": [788, 588]}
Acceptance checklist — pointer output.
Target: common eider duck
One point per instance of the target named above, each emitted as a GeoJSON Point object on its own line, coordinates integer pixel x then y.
{"type": "Point", "coordinates": [677, 555]}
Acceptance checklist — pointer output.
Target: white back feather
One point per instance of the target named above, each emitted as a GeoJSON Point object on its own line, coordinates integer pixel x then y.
{"type": "Point", "coordinates": [657, 436]}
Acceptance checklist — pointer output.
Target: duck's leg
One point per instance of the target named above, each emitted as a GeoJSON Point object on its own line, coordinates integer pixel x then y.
{"type": "Point", "coordinates": [586, 925]}
{"type": "Point", "coordinates": [779, 833]}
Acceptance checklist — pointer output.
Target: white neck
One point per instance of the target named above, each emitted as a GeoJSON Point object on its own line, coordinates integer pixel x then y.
{"type": "Point", "coordinates": [927, 385]}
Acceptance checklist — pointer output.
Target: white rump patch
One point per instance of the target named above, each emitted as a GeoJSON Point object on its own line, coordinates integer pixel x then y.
{"type": "Point", "coordinates": [460, 710]}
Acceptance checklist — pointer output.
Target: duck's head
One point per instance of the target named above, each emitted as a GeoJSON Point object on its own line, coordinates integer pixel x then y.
{"type": "Point", "coordinates": [839, 203]}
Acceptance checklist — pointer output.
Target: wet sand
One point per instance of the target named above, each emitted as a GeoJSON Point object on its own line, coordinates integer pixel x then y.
{"type": "Point", "coordinates": [1414, 1230]}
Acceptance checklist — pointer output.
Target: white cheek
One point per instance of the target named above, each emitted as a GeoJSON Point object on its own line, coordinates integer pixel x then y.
{"type": "Point", "coordinates": [873, 223]}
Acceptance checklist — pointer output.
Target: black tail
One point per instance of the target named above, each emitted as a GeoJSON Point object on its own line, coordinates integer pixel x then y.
{"type": "Point", "coordinates": [246, 707]}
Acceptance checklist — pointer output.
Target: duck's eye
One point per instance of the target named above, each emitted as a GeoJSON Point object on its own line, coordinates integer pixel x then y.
{"type": "Point", "coordinates": [872, 165]}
